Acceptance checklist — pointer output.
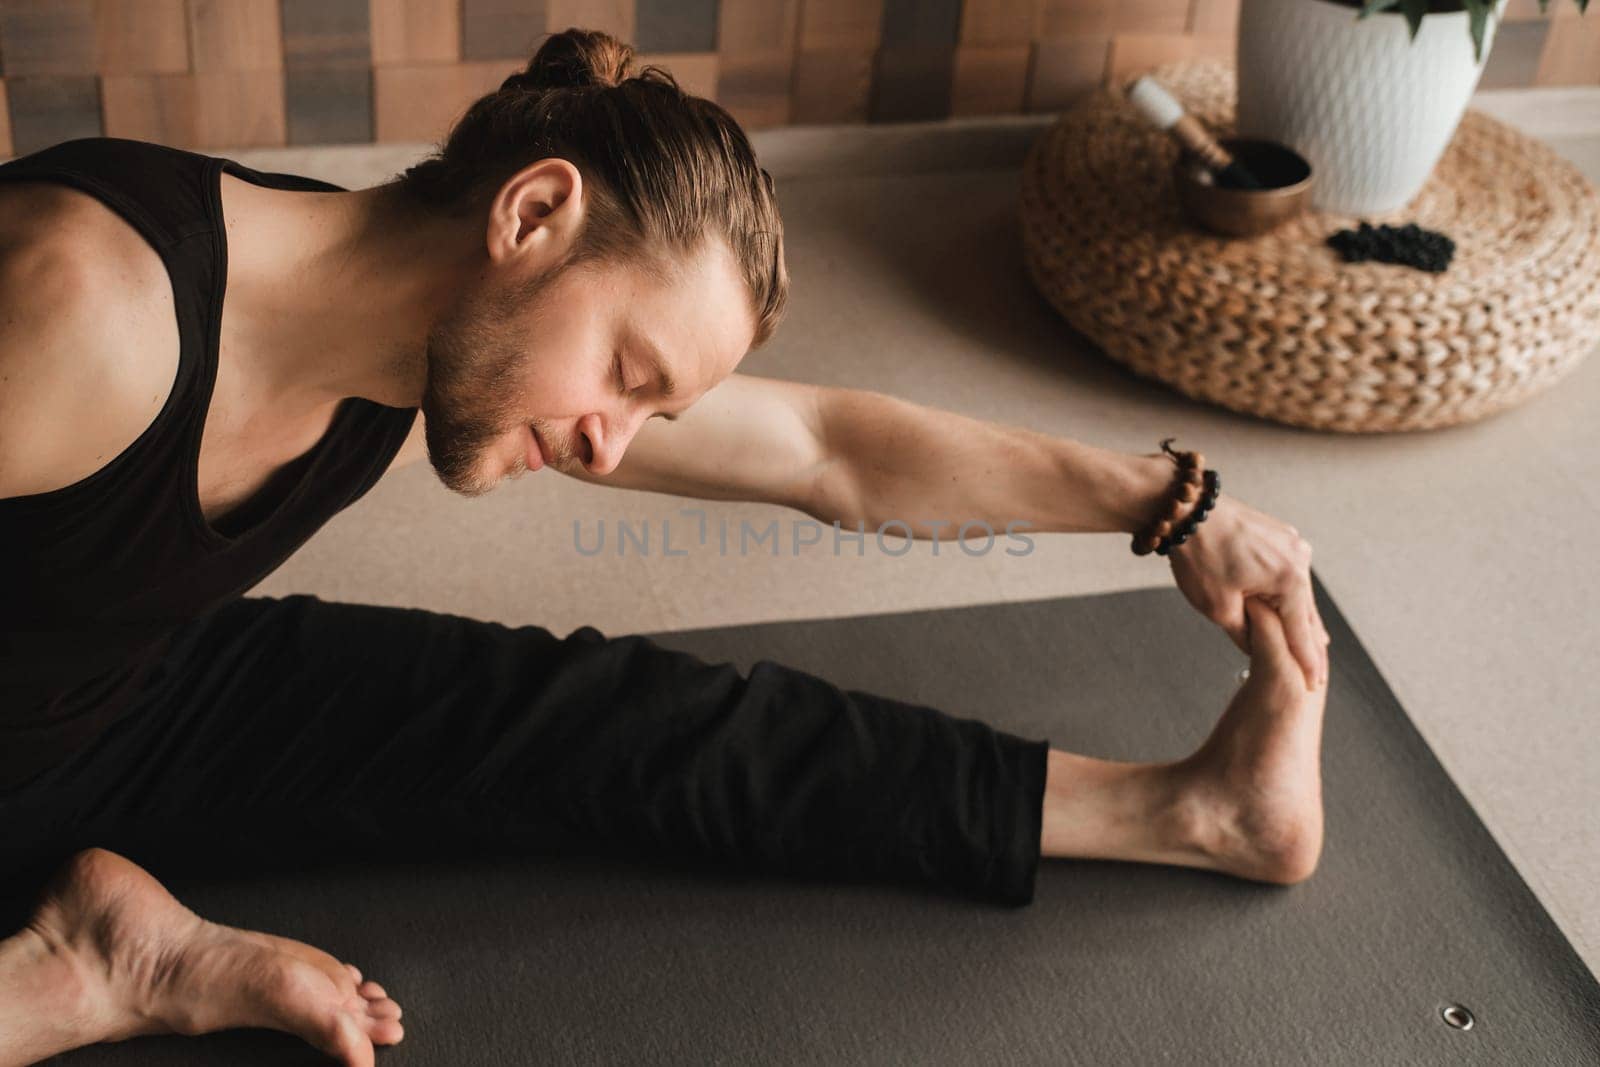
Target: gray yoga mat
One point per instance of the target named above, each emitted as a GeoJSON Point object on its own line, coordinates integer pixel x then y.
{"type": "Point", "coordinates": [596, 960]}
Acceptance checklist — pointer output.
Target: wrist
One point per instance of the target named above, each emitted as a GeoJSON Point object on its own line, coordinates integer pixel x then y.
{"type": "Point", "coordinates": [1144, 491]}
{"type": "Point", "coordinates": [1213, 528]}
{"type": "Point", "coordinates": [1195, 489]}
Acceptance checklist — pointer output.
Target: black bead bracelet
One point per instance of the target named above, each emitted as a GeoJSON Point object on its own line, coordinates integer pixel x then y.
{"type": "Point", "coordinates": [1208, 500]}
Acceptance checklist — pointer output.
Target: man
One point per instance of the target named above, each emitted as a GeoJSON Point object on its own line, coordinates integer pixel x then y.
{"type": "Point", "coordinates": [201, 363]}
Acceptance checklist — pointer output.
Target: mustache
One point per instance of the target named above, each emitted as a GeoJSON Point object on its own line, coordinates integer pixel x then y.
{"type": "Point", "coordinates": [561, 454]}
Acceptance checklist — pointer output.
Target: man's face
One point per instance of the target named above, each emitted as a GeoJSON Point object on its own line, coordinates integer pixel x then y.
{"type": "Point", "coordinates": [576, 357]}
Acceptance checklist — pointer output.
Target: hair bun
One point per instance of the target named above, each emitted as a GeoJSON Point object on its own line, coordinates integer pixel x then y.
{"type": "Point", "coordinates": [575, 59]}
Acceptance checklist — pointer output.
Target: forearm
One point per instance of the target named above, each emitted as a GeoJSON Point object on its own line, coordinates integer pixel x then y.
{"type": "Point", "coordinates": [935, 470]}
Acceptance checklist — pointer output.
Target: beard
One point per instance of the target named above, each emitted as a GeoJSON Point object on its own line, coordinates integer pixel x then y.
{"type": "Point", "coordinates": [473, 372]}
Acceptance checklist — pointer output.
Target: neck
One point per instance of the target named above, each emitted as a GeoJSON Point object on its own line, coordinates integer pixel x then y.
{"type": "Point", "coordinates": [331, 295]}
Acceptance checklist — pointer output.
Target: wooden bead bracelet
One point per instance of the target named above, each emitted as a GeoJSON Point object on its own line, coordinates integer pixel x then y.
{"type": "Point", "coordinates": [1194, 485]}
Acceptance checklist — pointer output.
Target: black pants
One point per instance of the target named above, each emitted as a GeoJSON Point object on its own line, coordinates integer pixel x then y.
{"type": "Point", "coordinates": [279, 727]}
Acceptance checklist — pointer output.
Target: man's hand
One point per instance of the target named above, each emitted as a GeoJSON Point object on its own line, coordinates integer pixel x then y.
{"type": "Point", "coordinates": [1238, 552]}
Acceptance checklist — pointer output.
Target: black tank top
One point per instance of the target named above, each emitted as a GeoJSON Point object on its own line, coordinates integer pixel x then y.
{"type": "Point", "coordinates": [96, 576]}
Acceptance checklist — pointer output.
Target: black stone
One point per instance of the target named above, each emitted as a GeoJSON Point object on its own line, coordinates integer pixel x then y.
{"type": "Point", "coordinates": [1409, 245]}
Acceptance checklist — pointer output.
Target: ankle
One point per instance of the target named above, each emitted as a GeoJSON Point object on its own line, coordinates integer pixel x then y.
{"type": "Point", "coordinates": [1242, 830]}
{"type": "Point", "coordinates": [1180, 812]}
{"type": "Point", "coordinates": [1195, 808]}
{"type": "Point", "coordinates": [1106, 809]}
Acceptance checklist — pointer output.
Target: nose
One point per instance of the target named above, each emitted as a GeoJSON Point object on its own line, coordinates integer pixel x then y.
{"type": "Point", "coordinates": [605, 445]}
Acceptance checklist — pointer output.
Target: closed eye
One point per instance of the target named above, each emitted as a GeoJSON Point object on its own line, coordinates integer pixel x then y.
{"type": "Point", "coordinates": [622, 387]}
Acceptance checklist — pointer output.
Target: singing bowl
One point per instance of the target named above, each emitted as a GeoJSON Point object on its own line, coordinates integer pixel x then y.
{"type": "Point", "coordinates": [1286, 175]}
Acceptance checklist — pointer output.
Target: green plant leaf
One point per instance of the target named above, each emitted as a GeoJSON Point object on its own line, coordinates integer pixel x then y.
{"type": "Point", "coordinates": [1477, 16]}
{"type": "Point", "coordinates": [1414, 10]}
{"type": "Point", "coordinates": [1478, 13]}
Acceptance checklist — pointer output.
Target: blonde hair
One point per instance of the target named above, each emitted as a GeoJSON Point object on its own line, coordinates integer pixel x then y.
{"type": "Point", "coordinates": [664, 170]}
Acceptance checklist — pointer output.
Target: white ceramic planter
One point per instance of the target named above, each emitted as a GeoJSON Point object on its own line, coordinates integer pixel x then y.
{"type": "Point", "coordinates": [1371, 109]}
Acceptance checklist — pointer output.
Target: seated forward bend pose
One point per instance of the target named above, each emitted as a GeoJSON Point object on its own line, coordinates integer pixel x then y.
{"type": "Point", "coordinates": [570, 282]}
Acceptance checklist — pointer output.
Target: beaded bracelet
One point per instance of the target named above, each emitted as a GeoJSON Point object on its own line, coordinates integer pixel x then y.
{"type": "Point", "coordinates": [1194, 481]}
{"type": "Point", "coordinates": [1213, 483]}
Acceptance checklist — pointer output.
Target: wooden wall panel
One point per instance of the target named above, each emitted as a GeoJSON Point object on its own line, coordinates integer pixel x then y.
{"type": "Point", "coordinates": [235, 35]}
{"type": "Point", "coordinates": [757, 26]}
{"type": "Point", "coordinates": [501, 29]}
{"type": "Point", "coordinates": [327, 57]}
{"type": "Point", "coordinates": [1571, 49]}
{"type": "Point", "coordinates": [756, 42]}
{"type": "Point", "coordinates": [832, 86]}
{"type": "Point", "coordinates": [1214, 16]}
{"type": "Point", "coordinates": [1076, 18]}
{"type": "Point", "coordinates": [239, 108]}
{"type": "Point", "coordinates": [1133, 54]}
{"type": "Point", "coordinates": [51, 108]}
{"type": "Point", "coordinates": [914, 24]}
{"type": "Point", "coordinates": [990, 81]}
{"type": "Point", "coordinates": [916, 60]}
{"type": "Point", "coordinates": [48, 37]}
{"type": "Point", "coordinates": [1000, 22]}
{"type": "Point", "coordinates": [671, 27]}
{"type": "Point", "coordinates": [150, 107]}
{"type": "Point", "coordinates": [326, 33]}
{"type": "Point", "coordinates": [328, 105]}
{"type": "Point", "coordinates": [206, 110]}
{"type": "Point", "coordinates": [225, 72]}
{"type": "Point", "coordinates": [755, 88]}
{"type": "Point", "coordinates": [912, 84]}
{"type": "Point", "coordinates": [696, 72]}
{"type": "Point", "coordinates": [1520, 10]}
{"type": "Point", "coordinates": [840, 25]}
{"type": "Point", "coordinates": [615, 17]}
{"type": "Point", "coordinates": [421, 102]}
{"type": "Point", "coordinates": [1514, 58]}
{"type": "Point", "coordinates": [1150, 16]}
{"type": "Point", "coordinates": [415, 31]}
{"type": "Point", "coordinates": [1063, 18]}
{"type": "Point", "coordinates": [141, 37]}
{"type": "Point", "coordinates": [5, 123]}
{"type": "Point", "coordinates": [1065, 69]}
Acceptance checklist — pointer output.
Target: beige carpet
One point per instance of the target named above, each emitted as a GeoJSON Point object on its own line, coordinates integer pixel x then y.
{"type": "Point", "coordinates": [1463, 559]}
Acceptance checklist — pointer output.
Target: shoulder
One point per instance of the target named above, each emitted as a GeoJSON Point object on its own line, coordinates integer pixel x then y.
{"type": "Point", "coordinates": [88, 337]}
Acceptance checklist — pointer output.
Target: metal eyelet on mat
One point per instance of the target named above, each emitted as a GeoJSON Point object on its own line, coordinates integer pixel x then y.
{"type": "Point", "coordinates": [1457, 1016]}
{"type": "Point", "coordinates": [1243, 675]}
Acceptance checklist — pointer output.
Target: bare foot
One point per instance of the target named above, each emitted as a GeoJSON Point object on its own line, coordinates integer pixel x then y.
{"type": "Point", "coordinates": [132, 960]}
{"type": "Point", "coordinates": [1252, 794]}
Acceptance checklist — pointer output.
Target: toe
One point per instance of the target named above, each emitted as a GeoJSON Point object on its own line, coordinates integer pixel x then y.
{"type": "Point", "coordinates": [383, 1008]}
{"type": "Point", "coordinates": [349, 1043]}
{"type": "Point", "coordinates": [355, 972]}
{"type": "Point", "coordinates": [372, 990]}
{"type": "Point", "coordinates": [307, 1003]}
{"type": "Point", "coordinates": [385, 1031]}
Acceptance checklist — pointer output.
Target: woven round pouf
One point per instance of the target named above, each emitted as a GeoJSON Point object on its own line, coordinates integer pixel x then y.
{"type": "Point", "coordinates": [1279, 325]}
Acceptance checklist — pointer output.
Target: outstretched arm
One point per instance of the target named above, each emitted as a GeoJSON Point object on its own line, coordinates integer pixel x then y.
{"type": "Point", "coordinates": [864, 457]}
{"type": "Point", "coordinates": [925, 466]}
{"type": "Point", "coordinates": [856, 456]}
{"type": "Point", "coordinates": [861, 457]}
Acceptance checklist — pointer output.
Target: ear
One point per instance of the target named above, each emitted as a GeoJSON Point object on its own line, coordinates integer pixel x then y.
{"type": "Point", "coordinates": [536, 213]}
